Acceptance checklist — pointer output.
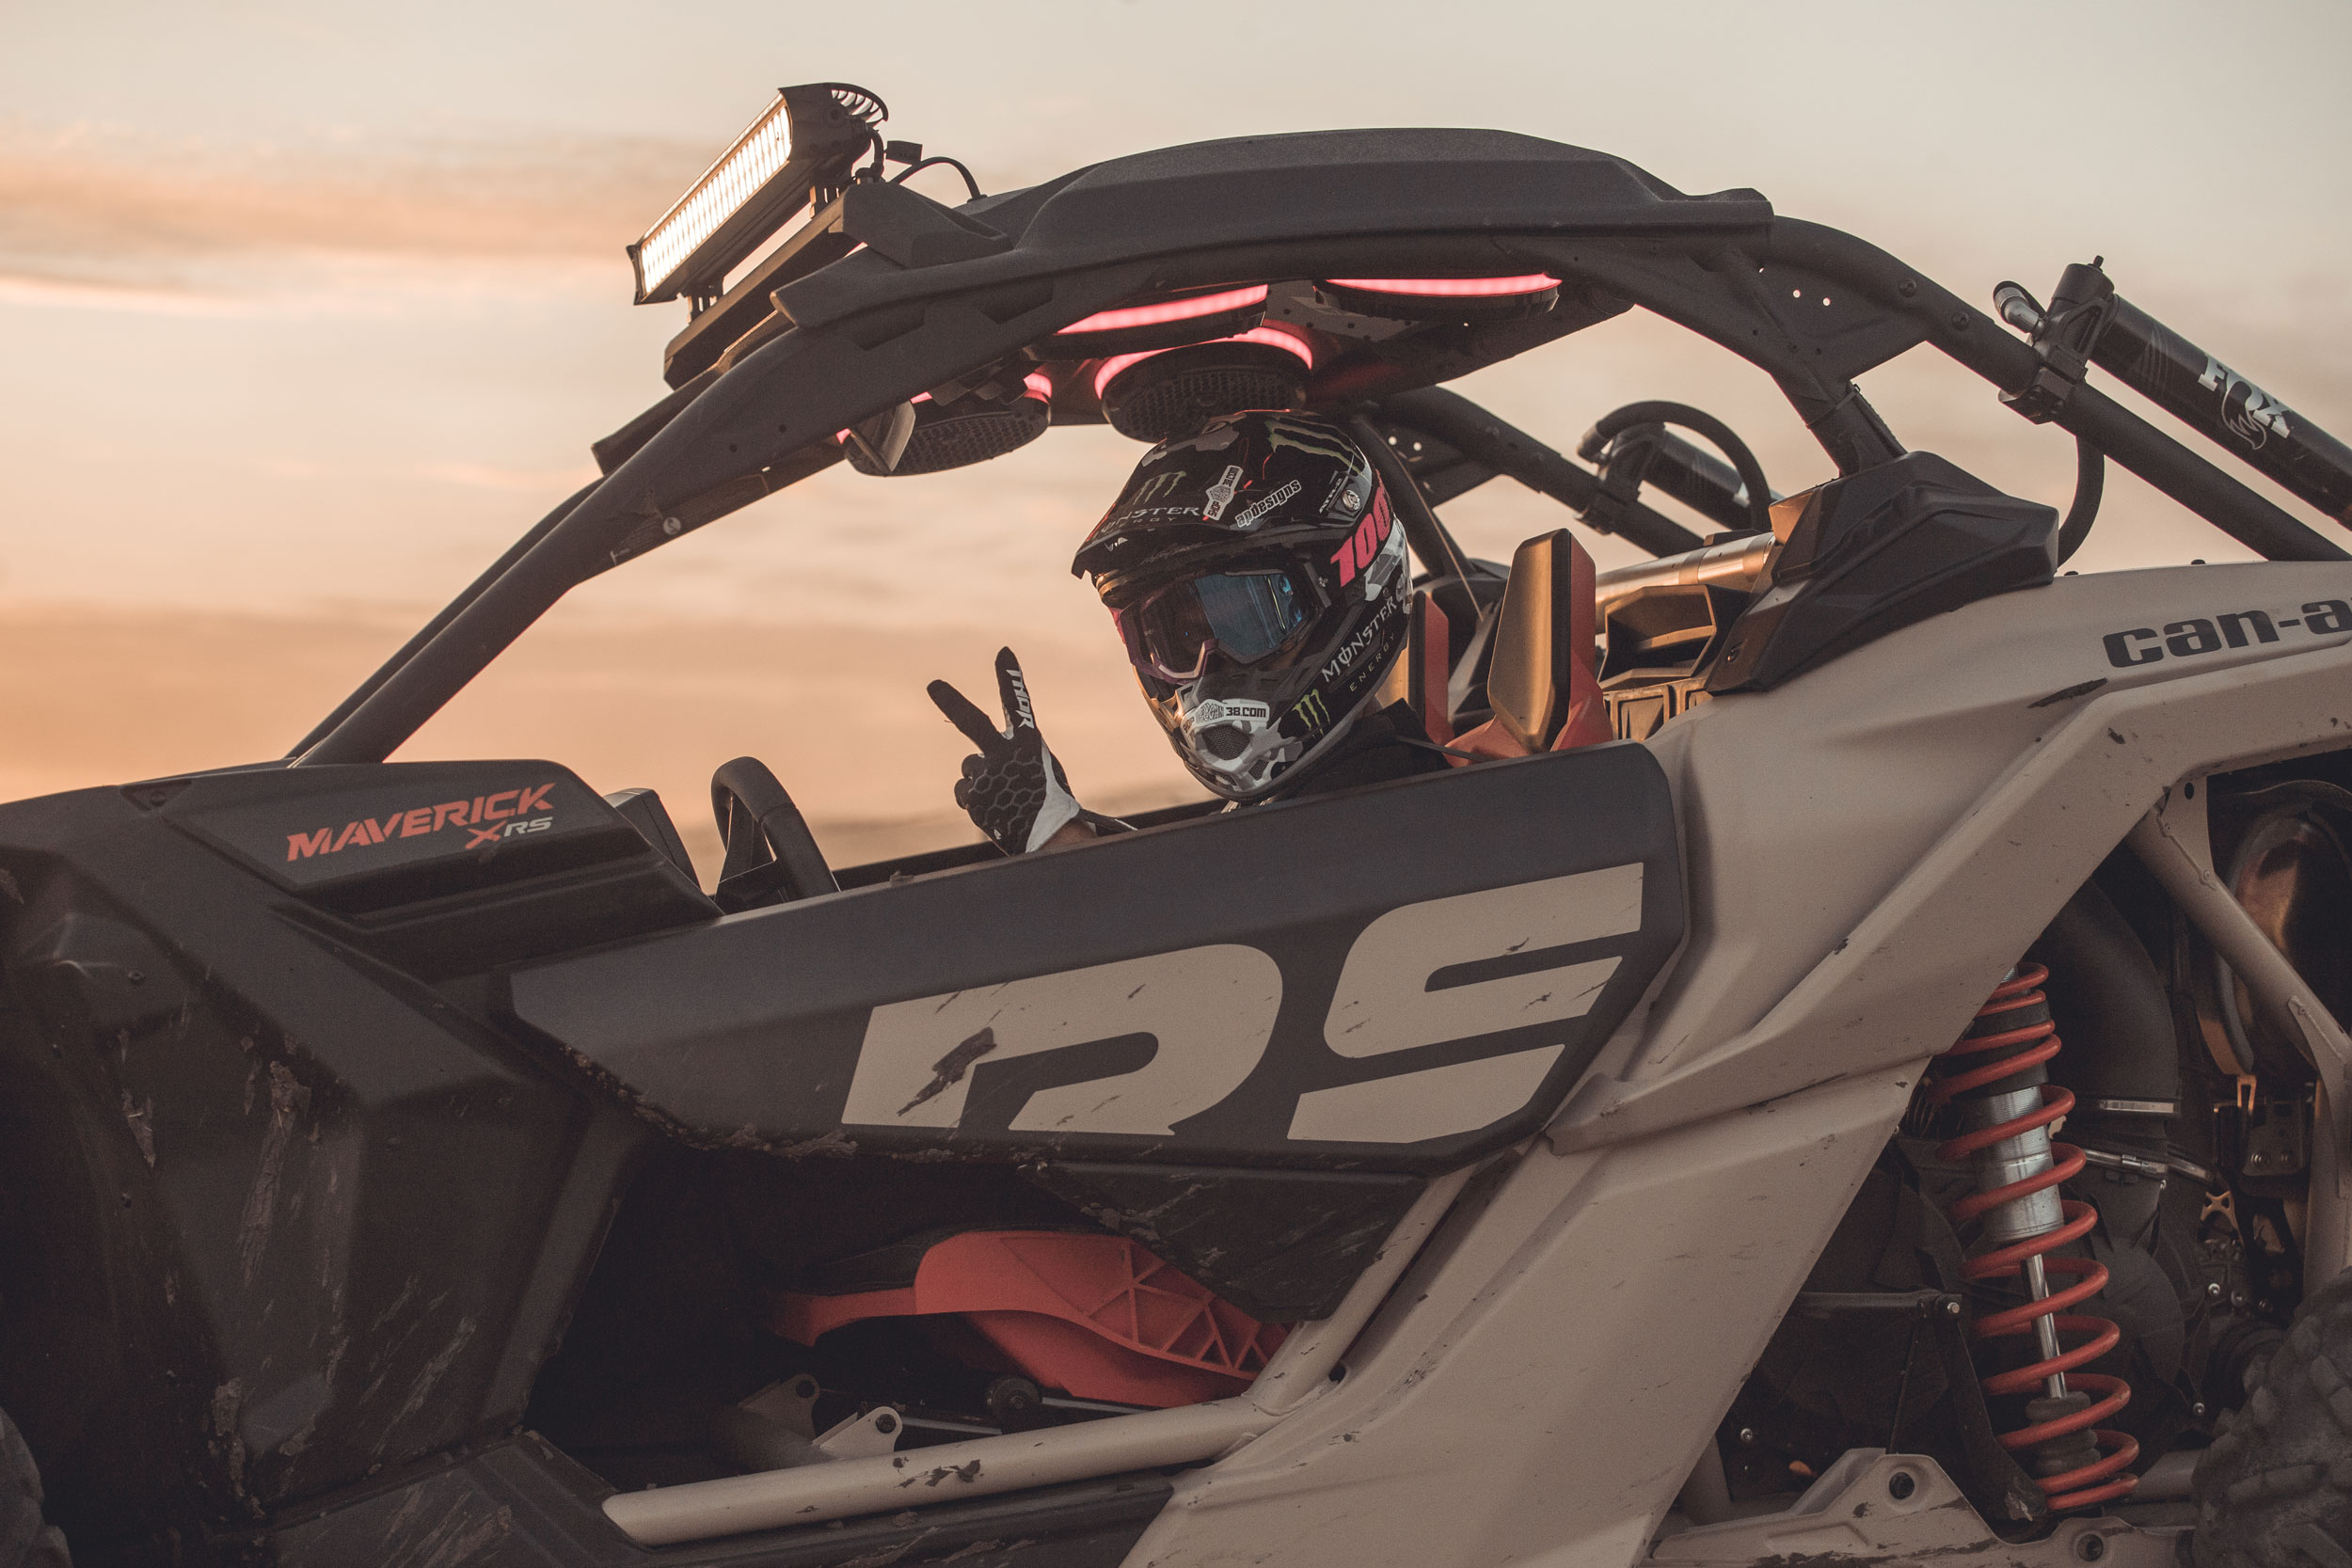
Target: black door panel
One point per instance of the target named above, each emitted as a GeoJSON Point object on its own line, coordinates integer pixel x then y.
{"type": "Point", "coordinates": [1400, 978]}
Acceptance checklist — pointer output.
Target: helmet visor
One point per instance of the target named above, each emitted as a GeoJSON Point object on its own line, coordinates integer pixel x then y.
{"type": "Point", "coordinates": [1245, 616]}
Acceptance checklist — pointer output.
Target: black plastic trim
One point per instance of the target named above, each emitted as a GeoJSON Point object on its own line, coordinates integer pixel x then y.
{"type": "Point", "coordinates": [750, 1032]}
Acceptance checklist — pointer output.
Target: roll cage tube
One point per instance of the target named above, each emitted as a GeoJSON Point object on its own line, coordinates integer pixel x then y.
{"type": "Point", "coordinates": [1973, 338]}
{"type": "Point", "coordinates": [936, 293]}
{"type": "Point", "coordinates": [1492, 443]}
{"type": "Point", "coordinates": [450, 611]}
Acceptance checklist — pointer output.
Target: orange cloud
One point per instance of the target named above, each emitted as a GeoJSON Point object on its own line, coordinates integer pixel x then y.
{"type": "Point", "coordinates": [102, 694]}
{"type": "Point", "coordinates": [123, 206]}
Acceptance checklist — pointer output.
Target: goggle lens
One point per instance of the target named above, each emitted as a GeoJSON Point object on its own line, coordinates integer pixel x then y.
{"type": "Point", "coordinates": [1251, 614]}
{"type": "Point", "coordinates": [1246, 615]}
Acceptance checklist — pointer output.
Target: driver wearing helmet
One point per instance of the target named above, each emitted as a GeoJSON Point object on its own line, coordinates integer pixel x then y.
{"type": "Point", "coordinates": [1258, 578]}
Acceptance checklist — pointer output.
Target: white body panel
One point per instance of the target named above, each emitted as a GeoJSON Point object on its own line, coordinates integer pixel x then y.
{"type": "Point", "coordinates": [1869, 847]}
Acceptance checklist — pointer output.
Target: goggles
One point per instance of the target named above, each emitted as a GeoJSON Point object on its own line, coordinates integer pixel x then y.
{"type": "Point", "coordinates": [1247, 616]}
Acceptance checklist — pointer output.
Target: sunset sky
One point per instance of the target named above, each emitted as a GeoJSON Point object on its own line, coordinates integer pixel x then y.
{"type": "Point", "coordinates": [306, 309]}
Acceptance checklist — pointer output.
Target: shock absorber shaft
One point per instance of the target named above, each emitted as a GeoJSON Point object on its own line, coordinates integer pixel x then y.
{"type": "Point", "coordinates": [2010, 1164]}
{"type": "Point", "coordinates": [2045, 1327]}
{"type": "Point", "coordinates": [1995, 1079]}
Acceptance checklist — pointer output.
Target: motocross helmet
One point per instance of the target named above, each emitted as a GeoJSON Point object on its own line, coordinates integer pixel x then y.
{"type": "Point", "coordinates": [1257, 577]}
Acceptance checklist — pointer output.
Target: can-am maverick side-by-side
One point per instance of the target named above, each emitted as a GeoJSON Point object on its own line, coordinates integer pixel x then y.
{"type": "Point", "coordinates": [1887, 1105]}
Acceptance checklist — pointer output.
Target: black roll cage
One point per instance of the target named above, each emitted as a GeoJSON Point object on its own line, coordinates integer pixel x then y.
{"type": "Point", "coordinates": [935, 292]}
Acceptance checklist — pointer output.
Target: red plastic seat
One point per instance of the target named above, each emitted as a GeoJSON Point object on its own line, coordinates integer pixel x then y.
{"type": "Point", "coordinates": [1419, 679]}
{"type": "Point", "coordinates": [1095, 1315]}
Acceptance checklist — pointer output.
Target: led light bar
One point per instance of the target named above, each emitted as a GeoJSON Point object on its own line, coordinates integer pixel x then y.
{"type": "Point", "coordinates": [807, 140]}
{"type": "Point", "coordinates": [1271, 337]}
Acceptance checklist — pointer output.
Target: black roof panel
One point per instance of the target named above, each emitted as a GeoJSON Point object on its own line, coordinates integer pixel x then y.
{"type": "Point", "coordinates": [1288, 189]}
{"type": "Point", "coordinates": [1341, 183]}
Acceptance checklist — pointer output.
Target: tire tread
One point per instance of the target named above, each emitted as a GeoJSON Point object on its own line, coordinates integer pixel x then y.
{"type": "Point", "coordinates": [2275, 1488]}
{"type": "Point", "coordinates": [25, 1540]}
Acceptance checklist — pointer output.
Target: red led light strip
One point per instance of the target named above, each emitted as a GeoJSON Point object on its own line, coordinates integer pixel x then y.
{"type": "Point", "coordinates": [1266, 335]}
{"type": "Point", "coordinates": [1448, 288]}
{"type": "Point", "coordinates": [1169, 310]}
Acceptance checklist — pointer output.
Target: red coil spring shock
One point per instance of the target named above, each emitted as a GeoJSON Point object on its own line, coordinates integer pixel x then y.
{"type": "Point", "coordinates": [2006, 1109]}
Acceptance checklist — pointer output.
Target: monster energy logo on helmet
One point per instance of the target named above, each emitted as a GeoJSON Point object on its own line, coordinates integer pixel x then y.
{"type": "Point", "coordinates": [1312, 437]}
{"type": "Point", "coordinates": [1261, 594]}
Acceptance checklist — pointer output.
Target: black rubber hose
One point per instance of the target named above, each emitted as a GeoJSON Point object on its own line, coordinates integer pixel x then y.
{"type": "Point", "coordinates": [2109, 1004]}
{"type": "Point", "coordinates": [921, 164]}
{"type": "Point", "coordinates": [2122, 1055]}
{"type": "Point", "coordinates": [1613, 424]}
{"type": "Point", "coordinates": [2090, 482]}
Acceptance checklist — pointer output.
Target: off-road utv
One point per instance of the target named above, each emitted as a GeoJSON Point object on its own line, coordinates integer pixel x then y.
{"type": "Point", "coordinates": [1886, 1105]}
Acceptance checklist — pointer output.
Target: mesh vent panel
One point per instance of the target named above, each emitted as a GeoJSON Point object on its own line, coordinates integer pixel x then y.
{"type": "Point", "coordinates": [1155, 403]}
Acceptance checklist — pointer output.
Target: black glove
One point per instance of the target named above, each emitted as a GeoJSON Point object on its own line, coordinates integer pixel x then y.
{"type": "Point", "coordinates": [1015, 788]}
